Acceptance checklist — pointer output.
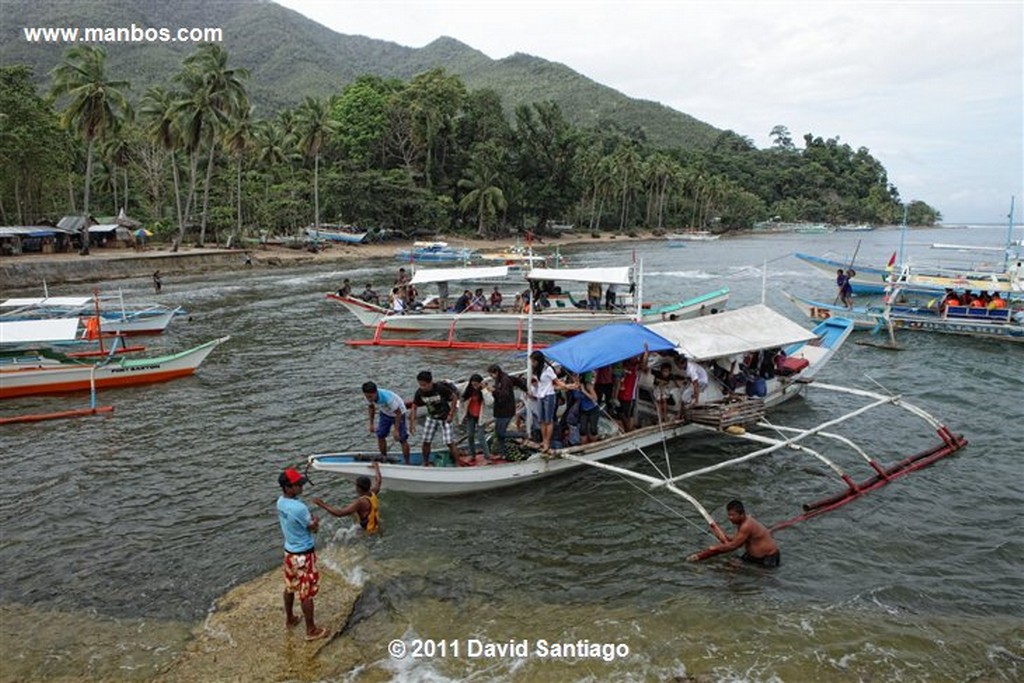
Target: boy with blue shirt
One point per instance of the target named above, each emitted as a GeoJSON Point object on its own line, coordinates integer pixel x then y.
{"type": "Point", "coordinates": [300, 571]}
{"type": "Point", "coordinates": [392, 417]}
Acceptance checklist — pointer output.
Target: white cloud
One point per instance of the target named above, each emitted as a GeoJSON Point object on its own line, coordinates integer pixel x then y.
{"type": "Point", "coordinates": [934, 89]}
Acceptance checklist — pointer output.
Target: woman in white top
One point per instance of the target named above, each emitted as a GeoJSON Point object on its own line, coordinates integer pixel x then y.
{"type": "Point", "coordinates": [542, 391]}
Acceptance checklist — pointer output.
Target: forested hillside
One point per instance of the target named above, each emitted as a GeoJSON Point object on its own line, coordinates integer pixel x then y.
{"type": "Point", "coordinates": [291, 57]}
{"type": "Point", "coordinates": [183, 142]}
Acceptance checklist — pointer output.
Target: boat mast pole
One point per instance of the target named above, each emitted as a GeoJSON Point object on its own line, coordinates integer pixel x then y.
{"type": "Point", "coordinates": [903, 235]}
{"type": "Point", "coordinates": [529, 336]}
{"type": "Point", "coordinates": [1009, 236]}
{"type": "Point", "coordinates": [640, 291]}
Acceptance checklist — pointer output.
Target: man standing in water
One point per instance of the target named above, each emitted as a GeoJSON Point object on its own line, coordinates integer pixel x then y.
{"type": "Point", "coordinates": [366, 507]}
{"type": "Point", "coordinates": [759, 546]}
{"type": "Point", "coordinates": [300, 572]}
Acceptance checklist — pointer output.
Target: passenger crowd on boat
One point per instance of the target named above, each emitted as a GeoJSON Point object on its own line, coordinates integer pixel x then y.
{"type": "Point", "coordinates": [991, 302]}
{"type": "Point", "coordinates": [565, 408]}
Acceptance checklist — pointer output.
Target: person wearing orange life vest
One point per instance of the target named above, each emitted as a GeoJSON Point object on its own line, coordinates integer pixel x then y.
{"type": "Point", "coordinates": [996, 302]}
{"type": "Point", "coordinates": [366, 507]}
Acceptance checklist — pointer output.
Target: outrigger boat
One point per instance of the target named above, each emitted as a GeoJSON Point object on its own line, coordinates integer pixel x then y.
{"type": "Point", "coordinates": [429, 252]}
{"type": "Point", "coordinates": [708, 339]}
{"type": "Point", "coordinates": [1003, 323]}
{"type": "Point", "coordinates": [558, 319]}
{"type": "Point", "coordinates": [42, 371]}
{"type": "Point", "coordinates": [329, 235]}
{"type": "Point", "coordinates": [715, 338]}
{"type": "Point", "coordinates": [116, 317]}
{"type": "Point", "coordinates": [692, 236]}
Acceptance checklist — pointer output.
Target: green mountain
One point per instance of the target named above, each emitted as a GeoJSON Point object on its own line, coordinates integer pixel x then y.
{"type": "Point", "coordinates": [291, 57]}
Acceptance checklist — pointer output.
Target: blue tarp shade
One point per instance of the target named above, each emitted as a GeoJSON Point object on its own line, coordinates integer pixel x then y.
{"type": "Point", "coordinates": [605, 345]}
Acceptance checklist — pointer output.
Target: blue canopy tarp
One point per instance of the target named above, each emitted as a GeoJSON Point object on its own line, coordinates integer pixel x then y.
{"type": "Point", "coordinates": [605, 345]}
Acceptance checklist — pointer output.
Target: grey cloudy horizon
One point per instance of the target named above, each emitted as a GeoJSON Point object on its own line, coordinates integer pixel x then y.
{"type": "Point", "coordinates": [935, 90]}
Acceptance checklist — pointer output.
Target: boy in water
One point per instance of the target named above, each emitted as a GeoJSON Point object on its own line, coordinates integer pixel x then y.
{"type": "Point", "coordinates": [366, 507]}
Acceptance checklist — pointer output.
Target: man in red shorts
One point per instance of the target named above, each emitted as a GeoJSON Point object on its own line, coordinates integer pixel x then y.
{"type": "Point", "coordinates": [300, 572]}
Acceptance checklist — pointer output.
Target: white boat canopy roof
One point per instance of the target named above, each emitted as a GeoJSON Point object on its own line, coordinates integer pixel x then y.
{"type": "Point", "coordinates": [47, 301]}
{"type": "Point", "coordinates": [425, 275]}
{"type": "Point", "coordinates": [732, 332]}
{"type": "Point", "coordinates": [618, 275]}
{"type": "Point", "coordinates": [32, 331]}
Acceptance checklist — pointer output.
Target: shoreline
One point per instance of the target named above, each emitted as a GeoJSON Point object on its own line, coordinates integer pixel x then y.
{"type": "Point", "coordinates": [29, 270]}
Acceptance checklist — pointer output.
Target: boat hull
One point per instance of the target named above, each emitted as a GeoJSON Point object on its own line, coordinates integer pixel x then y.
{"type": "Point", "coordinates": [49, 377]}
{"type": "Point", "coordinates": [415, 478]}
{"type": "Point", "coordinates": [556, 321]}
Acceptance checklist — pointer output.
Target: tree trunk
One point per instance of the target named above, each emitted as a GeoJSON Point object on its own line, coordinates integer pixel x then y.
{"type": "Point", "coordinates": [193, 168]}
{"type": "Point", "coordinates": [316, 191]}
{"type": "Point", "coordinates": [206, 194]}
{"type": "Point", "coordinates": [238, 194]}
{"type": "Point", "coordinates": [84, 251]}
{"type": "Point", "coordinates": [113, 185]}
{"type": "Point", "coordinates": [177, 194]}
{"type": "Point", "coordinates": [125, 190]}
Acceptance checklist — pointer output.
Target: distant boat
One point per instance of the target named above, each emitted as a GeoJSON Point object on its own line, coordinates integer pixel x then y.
{"type": "Point", "coordinates": [434, 251]}
{"type": "Point", "coordinates": [692, 236]}
{"type": "Point", "coordinates": [855, 228]}
{"type": "Point", "coordinates": [329, 235]}
{"type": "Point", "coordinates": [813, 229]}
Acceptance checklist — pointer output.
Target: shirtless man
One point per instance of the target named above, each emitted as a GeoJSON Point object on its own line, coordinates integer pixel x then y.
{"type": "Point", "coordinates": [759, 546]}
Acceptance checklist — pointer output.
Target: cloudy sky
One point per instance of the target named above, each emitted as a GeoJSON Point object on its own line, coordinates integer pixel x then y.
{"type": "Point", "coordinates": [935, 90]}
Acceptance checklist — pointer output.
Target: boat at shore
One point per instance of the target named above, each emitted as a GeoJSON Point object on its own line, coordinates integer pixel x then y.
{"type": "Point", "coordinates": [706, 340]}
{"type": "Point", "coordinates": [42, 371]}
{"type": "Point", "coordinates": [352, 236]}
{"type": "Point", "coordinates": [692, 236]}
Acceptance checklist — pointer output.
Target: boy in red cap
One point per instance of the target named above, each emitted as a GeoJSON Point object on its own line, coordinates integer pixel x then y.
{"type": "Point", "coordinates": [300, 572]}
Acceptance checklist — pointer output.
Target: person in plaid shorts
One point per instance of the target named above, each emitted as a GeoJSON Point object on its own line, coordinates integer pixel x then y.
{"type": "Point", "coordinates": [441, 403]}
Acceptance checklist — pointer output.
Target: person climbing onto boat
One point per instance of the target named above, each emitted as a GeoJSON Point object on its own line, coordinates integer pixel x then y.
{"type": "Point", "coordinates": [475, 399]}
{"type": "Point", "coordinates": [441, 403]}
{"type": "Point", "coordinates": [758, 545]}
{"type": "Point", "coordinates": [392, 418]}
{"type": "Point", "coordinates": [366, 507]}
{"type": "Point", "coordinates": [665, 385]}
{"type": "Point", "coordinates": [301, 576]}
{"type": "Point", "coordinates": [502, 387]}
{"type": "Point", "coordinates": [402, 278]}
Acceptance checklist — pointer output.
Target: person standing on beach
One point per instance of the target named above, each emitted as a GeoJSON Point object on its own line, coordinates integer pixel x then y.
{"type": "Point", "coordinates": [158, 282]}
{"type": "Point", "coordinates": [300, 572]}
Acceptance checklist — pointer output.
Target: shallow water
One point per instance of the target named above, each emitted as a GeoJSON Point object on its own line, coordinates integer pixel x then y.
{"type": "Point", "coordinates": [119, 533]}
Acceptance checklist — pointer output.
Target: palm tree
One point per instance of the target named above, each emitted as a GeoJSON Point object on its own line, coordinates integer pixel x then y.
{"type": "Point", "coordinates": [95, 104]}
{"type": "Point", "coordinates": [238, 139]}
{"type": "Point", "coordinates": [313, 124]}
{"type": "Point", "coordinates": [215, 93]}
{"type": "Point", "coordinates": [157, 109]}
{"type": "Point", "coordinates": [481, 178]}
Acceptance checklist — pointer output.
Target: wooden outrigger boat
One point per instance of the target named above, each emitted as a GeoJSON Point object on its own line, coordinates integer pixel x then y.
{"type": "Point", "coordinates": [692, 236]}
{"type": "Point", "coordinates": [116, 317]}
{"type": "Point", "coordinates": [342, 236]}
{"type": "Point", "coordinates": [40, 371]}
{"type": "Point", "coordinates": [432, 252]}
{"type": "Point", "coordinates": [707, 339]}
{"type": "Point", "coordinates": [559, 319]}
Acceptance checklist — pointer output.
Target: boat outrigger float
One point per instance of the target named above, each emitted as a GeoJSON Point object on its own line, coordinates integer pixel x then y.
{"type": "Point", "coordinates": [882, 475]}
